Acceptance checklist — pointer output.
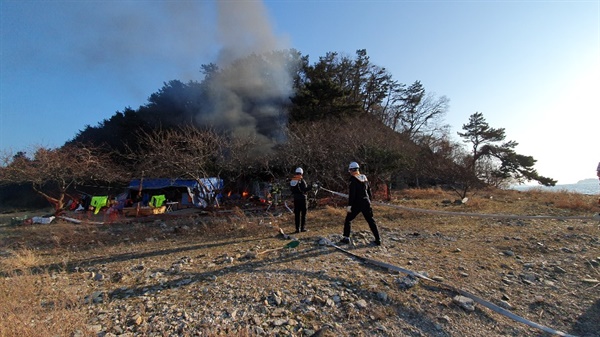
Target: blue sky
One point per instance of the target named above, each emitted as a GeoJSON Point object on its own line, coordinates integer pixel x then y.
{"type": "Point", "coordinates": [531, 67]}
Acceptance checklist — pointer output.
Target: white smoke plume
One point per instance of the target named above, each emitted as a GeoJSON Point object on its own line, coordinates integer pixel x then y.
{"type": "Point", "coordinates": [135, 39]}
{"type": "Point", "coordinates": [247, 99]}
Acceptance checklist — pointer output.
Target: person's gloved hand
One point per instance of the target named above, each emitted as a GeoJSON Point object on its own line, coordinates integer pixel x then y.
{"type": "Point", "coordinates": [349, 209]}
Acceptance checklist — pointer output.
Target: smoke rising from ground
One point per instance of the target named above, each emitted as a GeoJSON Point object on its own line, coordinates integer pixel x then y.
{"type": "Point", "coordinates": [136, 38]}
{"type": "Point", "coordinates": [247, 99]}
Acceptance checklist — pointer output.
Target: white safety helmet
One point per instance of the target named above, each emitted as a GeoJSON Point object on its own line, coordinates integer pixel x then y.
{"type": "Point", "coordinates": [299, 170]}
{"type": "Point", "coordinates": [353, 166]}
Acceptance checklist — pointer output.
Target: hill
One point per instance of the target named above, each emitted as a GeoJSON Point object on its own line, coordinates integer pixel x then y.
{"type": "Point", "coordinates": [587, 181]}
{"type": "Point", "coordinates": [224, 274]}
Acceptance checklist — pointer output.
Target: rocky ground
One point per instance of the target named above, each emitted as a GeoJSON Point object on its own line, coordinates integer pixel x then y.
{"type": "Point", "coordinates": [229, 274]}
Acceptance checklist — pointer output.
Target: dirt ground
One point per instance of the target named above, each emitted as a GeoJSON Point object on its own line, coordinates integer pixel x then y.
{"type": "Point", "coordinates": [227, 272]}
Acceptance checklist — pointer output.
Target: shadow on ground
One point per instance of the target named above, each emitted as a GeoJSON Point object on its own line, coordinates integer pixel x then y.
{"type": "Point", "coordinates": [588, 324]}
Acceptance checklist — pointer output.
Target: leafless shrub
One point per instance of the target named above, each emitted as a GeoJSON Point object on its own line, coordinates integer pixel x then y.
{"type": "Point", "coordinates": [39, 305]}
{"type": "Point", "coordinates": [20, 259]}
{"type": "Point", "coordinates": [186, 152]}
{"type": "Point", "coordinates": [53, 172]}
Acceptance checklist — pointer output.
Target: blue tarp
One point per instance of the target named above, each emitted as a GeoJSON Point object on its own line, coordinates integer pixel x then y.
{"type": "Point", "coordinates": [210, 184]}
{"type": "Point", "coordinates": [200, 195]}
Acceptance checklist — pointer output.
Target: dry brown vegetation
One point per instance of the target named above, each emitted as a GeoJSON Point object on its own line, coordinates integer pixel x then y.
{"type": "Point", "coordinates": [548, 270]}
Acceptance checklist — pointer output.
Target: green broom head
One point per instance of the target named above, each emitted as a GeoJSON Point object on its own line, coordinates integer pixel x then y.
{"type": "Point", "coordinates": [292, 244]}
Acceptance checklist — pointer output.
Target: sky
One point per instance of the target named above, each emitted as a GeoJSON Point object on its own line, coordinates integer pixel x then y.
{"type": "Point", "coordinates": [530, 67]}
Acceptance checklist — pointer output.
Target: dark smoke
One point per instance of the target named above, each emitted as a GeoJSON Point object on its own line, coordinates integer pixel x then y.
{"type": "Point", "coordinates": [247, 99]}
{"type": "Point", "coordinates": [135, 39]}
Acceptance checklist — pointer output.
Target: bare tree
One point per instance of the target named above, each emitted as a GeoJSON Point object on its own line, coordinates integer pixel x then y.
{"type": "Point", "coordinates": [185, 152]}
{"type": "Point", "coordinates": [243, 158]}
{"type": "Point", "coordinates": [455, 170]}
{"type": "Point", "coordinates": [418, 112]}
{"type": "Point", "coordinates": [491, 155]}
{"type": "Point", "coordinates": [53, 172]}
{"type": "Point", "coordinates": [325, 149]}
{"type": "Point", "coordinates": [321, 148]}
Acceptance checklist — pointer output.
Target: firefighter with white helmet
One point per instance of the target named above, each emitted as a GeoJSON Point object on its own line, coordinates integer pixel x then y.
{"type": "Point", "coordinates": [359, 201]}
{"type": "Point", "coordinates": [299, 188]}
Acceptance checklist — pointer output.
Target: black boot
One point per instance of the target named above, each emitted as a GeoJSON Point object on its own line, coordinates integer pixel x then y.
{"type": "Point", "coordinates": [344, 241]}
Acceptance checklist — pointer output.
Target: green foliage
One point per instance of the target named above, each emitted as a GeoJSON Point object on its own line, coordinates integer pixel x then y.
{"type": "Point", "coordinates": [115, 133]}
{"type": "Point", "coordinates": [325, 91]}
{"type": "Point", "coordinates": [262, 115]}
{"type": "Point", "coordinates": [484, 145]}
{"type": "Point", "coordinates": [176, 103]}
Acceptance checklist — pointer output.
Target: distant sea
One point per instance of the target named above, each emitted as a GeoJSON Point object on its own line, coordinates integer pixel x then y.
{"type": "Point", "coordinates": [587, 186]}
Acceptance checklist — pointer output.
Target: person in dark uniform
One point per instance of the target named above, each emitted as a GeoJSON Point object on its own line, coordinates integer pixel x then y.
{"type": "Point", "coordinates": [299, 187]}
{"type": "Point", "coordinates": [359, 201]}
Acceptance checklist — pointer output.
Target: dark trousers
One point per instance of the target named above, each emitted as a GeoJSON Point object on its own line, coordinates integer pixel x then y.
{"type": "Point", "coordinates": [300, 213]}
{"type": "Point", "coordinates": [367, 212]}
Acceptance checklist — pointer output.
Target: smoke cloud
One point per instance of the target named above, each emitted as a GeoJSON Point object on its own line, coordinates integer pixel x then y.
{"type": "Point", "coordinates": [137, 40]}
{"type": "Point", "coordinates": [247, 98]}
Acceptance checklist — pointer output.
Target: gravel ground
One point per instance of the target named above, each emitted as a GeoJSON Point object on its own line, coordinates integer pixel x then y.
{"type": "Point", "coordinates": [230, 275]}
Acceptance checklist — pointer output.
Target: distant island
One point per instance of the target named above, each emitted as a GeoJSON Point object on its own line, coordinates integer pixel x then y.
{"type": "Point", "coordinates": [586, 186]}
{"type": "Point", "coordinates": [588, 181]}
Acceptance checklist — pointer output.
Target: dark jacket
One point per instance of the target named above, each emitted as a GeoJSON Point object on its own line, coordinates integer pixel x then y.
{"type": "Point", "coordinates": [360, 191]}
{"type": "Point", "coordinates": [299, 187]}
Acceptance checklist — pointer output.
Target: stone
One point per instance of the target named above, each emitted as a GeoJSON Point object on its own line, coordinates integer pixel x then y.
{"type": "Point", "coordinates": [508, 253]}
{"type": "Point", "coordinates": [280, 322]}
{"type": "Point", "coordinates": [590, 280]}
{"type": "Point", "coordinates": [361, 304]}
{"type": "Point", "coordinates": [437, 278]}
{"type": "Point", "coordinates": [407, 282]}
{"type": "Point", "coordinates": [464, 302]}
{"type": "Point", "coordinates": [382, 296]}
{"type": "Point", "coordinates": [505, 305]}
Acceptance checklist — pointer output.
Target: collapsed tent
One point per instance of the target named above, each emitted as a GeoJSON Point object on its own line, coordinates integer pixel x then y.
{"type": "Point", "coordinates": [199, 193]}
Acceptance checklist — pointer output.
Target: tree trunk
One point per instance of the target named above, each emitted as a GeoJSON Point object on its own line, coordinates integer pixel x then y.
{"type": "Point", "coordinates": [57, 203]}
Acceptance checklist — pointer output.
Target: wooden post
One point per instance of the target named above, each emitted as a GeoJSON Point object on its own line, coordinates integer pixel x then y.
{"type": "Point", "coordinates": [137, 211]}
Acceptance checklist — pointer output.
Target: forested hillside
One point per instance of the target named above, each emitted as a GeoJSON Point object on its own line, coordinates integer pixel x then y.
{"type": "Point", "coordinates": [261, 116]}
{"type": "Point", "coordinates": [289, 112]}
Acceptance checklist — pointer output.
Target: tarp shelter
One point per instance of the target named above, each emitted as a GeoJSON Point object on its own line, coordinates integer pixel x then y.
{"type": "Point", "coordinates": [199, 192]}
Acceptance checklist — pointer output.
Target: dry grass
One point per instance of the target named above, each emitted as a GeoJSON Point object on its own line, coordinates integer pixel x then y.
{"type": "Point", "coordinates": [39, 304]}
{"type": "Point", "coordinates": [21, 259]}
{"type": "Point", "coordinates": [497, 201]}
{"type": "Point", "coordinates": [58, 235]}
{"type": "Point", "coordinates": [41, 301]}
{"type": "Point", "coordinates": [566, 200]}
{"type": "Point", "coordinates": [425, 193]}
